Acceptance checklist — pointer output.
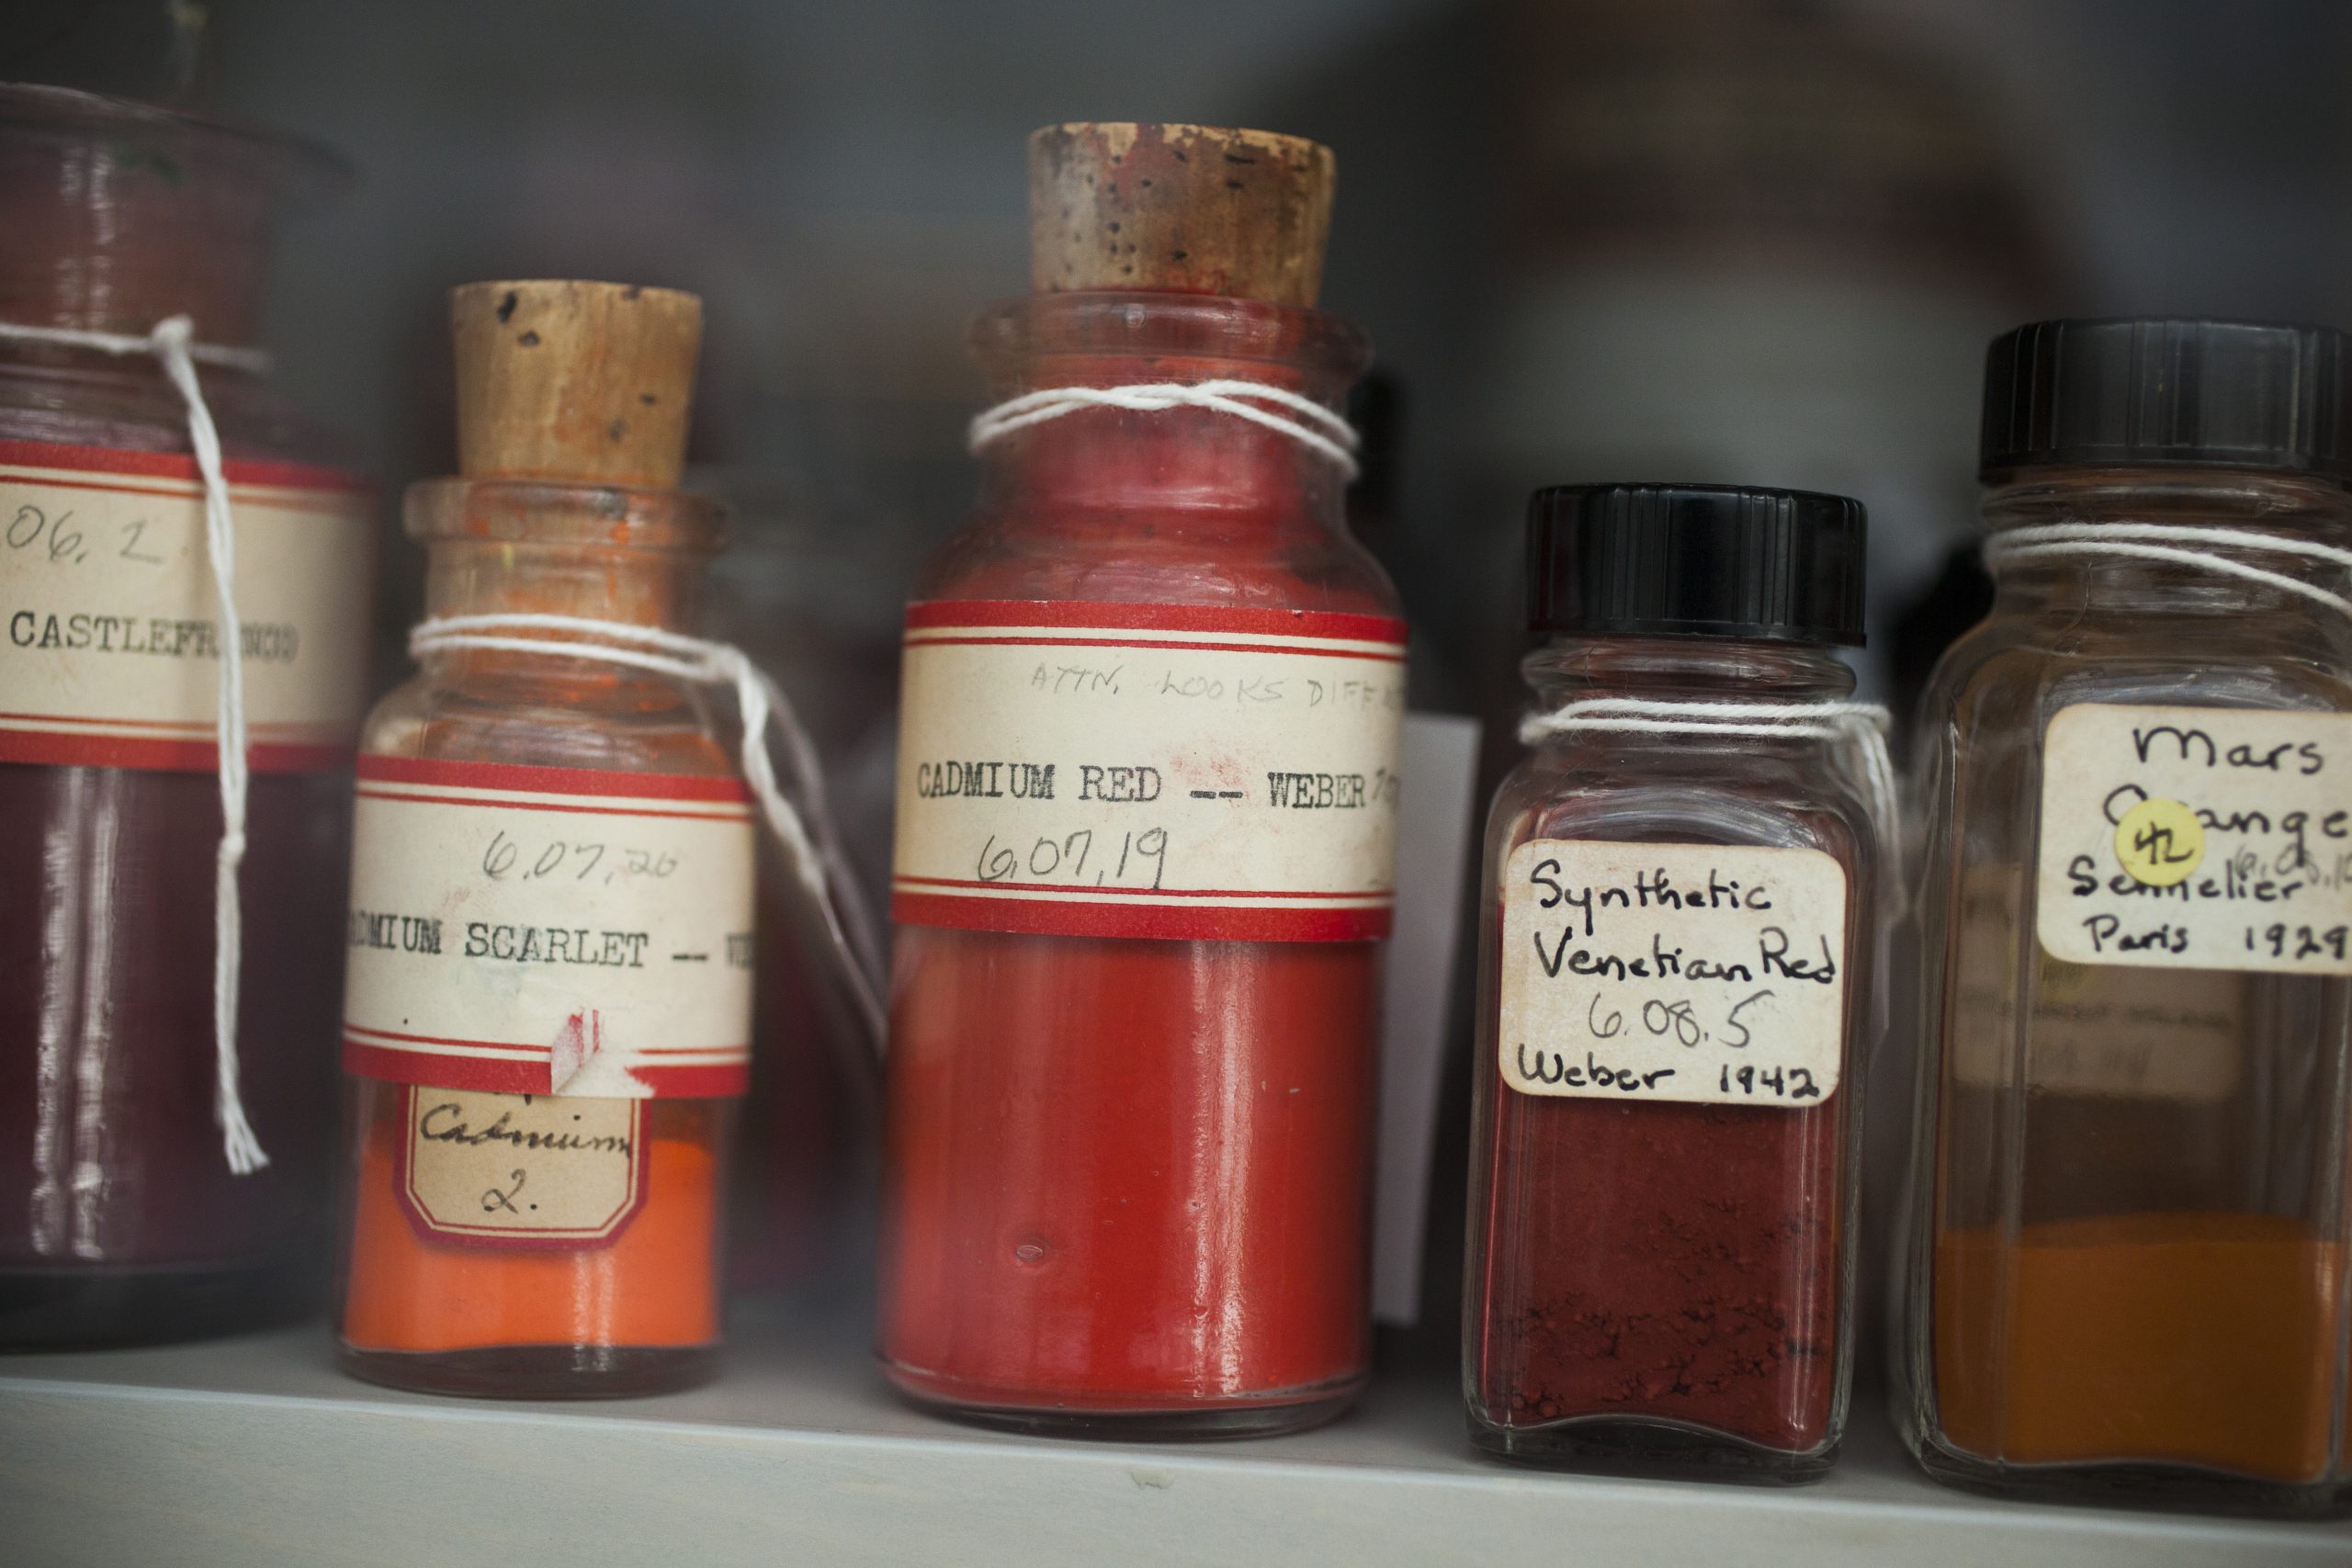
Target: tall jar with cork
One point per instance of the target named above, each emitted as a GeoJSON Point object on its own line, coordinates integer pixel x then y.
{"type": "Point", "coordinates": [1147, 807]}
{"type": "Point", "coordinates": [2126, 1273]}
{"type": "Point", "coordinates": [549, 989]}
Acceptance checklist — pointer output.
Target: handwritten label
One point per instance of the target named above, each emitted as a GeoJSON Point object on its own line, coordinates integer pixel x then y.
{"type": "Point", "coordinates": [520, 1169]}
{"type": "Point", "coordinates": [1684, 971]}
{"type": "Point", "coordinates": [2191, 838]}
{"type": "Point", "coordinates": [549, 931]}
{"type": "Point", "coordinates": [1149, 770]}
{"type": "Point", "coordinates": [110, 634]}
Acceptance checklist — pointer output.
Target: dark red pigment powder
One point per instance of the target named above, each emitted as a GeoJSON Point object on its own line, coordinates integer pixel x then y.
{"type": "Point", "coordinates": [1669, 1262]}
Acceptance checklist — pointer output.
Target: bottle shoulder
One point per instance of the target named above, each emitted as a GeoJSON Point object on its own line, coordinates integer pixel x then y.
{"type": "Point", "coordinates": [2012, 673]}
{"type": "Point", "coordinates": [1798, 801]}
{"type": "Point", "coordinates": [136, 410]}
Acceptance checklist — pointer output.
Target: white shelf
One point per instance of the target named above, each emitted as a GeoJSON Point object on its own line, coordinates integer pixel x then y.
{"type": "Point", "coordinates": [257, 1450]}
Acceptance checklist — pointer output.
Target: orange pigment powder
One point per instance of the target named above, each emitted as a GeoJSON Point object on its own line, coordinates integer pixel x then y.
{"type": "Point", "coordinates": [2207, 1339]}
{"type": "Point", "coordinates": [655, 1284]}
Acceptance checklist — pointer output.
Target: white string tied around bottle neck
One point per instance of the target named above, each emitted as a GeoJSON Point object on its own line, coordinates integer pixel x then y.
{"type": "Point", "coordinates": [1862, 726]}
{"type": "Point", "coordinates": [1300, 418]}
{"type": "Point", "coordinates": [173, 346]}
{"type": "Point", "coordinates": [2174, 544]}
{"type": "Point", "coordinates": [810, 843]}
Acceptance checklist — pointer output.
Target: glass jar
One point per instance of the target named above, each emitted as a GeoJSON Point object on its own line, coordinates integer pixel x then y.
{"type": "Point", "coordinates": [1133, 1021]}
{"type": "Point", "coordinates": [120, 1218]}
{"type": "Point", "coordinates": [1677, 985]}
{"type": "Point", "coordinates": [2125, 1273]}
{"type": "Point", "coordinates": [550, 934]}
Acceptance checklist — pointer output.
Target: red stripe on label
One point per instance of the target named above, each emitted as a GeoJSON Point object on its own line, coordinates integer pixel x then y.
{"type": "Point", "coordinates": [543, 806]}
{"type": "Point", "coordinates": [1187, 646]}
{"type": "Point", "coordinates": [48, 749]}
{"type": "Point", "coordinates": [551, 781]}
{"type": "Point", "coordinates": [1158, 921]}
{"type": "Point", "coordinates": [1149, 892]}
{"type": "Point", "coordinates": [267, 471]}
{"type": "Point", "coordinates": [391, 1065]}
{"type": "Point", "coordinates": [1211, 618]}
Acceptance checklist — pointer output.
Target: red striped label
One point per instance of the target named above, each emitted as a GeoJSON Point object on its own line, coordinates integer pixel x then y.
{"type": "Point", "coordinates": [549, 931]}
{"type": "Point", "coordinates": [110, 641]}
{"type": "Point", "coordinates": [1175, 771]}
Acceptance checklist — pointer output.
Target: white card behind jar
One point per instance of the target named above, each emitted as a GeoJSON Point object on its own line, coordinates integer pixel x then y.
{"type": "Point", "coordinates": [2194, 838]}
{"type": "Point", "coordinates": [1683, 971]}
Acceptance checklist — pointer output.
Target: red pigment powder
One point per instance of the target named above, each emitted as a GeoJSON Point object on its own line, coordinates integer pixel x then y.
{"type": "Point", "coordinates": [1134, 1176]}
{"type": "Point", "coordinates": [1675, 1262]}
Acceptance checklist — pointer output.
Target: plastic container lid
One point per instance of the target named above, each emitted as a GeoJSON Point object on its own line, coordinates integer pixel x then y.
{"type": "Point", "coordinates": [1696, 560]}
{"type": "Point", "coordinates": [2159, 392]}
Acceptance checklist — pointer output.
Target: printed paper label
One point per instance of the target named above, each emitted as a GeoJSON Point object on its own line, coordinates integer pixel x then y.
{"type": "Point", "coordinates": [520, 1169]}
{"type": "Point", "coordinates": [1688, 972]}
{"type": "Point", "coordinates": [2193, 837]}
{"type": "Point", "coordinates": [549, 931]}
{"type": "Point", "coordinates": [109, 633]}
{"type": "Point", "coordinates": [1149, 770]}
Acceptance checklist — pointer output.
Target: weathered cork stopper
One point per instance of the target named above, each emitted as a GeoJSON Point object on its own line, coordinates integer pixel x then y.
{"type": "Point", "coordinates": [1185, 208]}
{"type": "Point", "coordinates": [586, 382]}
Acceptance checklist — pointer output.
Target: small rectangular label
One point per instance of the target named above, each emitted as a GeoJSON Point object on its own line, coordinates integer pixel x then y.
{"type": "Point", "coordinates": [1697, 973]}
{"type": "Point", "coordinates": [109, 630]}
{"type": "Point", "coordinates": [520, 1169]}
{"type": "Point", "coordinates": [2196, 838]}
{"type": "Point", "coordinates": [549, 931]}
{"type": "Point", "coordinates": [1149, 770]}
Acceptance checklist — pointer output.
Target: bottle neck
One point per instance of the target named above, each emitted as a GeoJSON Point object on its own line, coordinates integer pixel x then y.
{"type": "Point", "coordinates": [637, 588]}
{"type": "Point", "coordinates": [1683, 670]}
{"type": "Point", "coordinates": [1694, 668]}
{"type": "Point", "coordinates": [112, 234]}
{"type": "Point", "coordinates": [1177, 476]}
{"type": "Point", "coordinates": [580, 552]}
{"type": "Point", "coordinates": [2290, 507]}
{"type": "Point", "coordinates": [1172, 477]}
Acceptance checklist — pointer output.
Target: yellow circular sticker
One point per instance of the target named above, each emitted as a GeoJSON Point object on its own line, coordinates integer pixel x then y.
{"type": "Point", "coordinates": [2160, 842]}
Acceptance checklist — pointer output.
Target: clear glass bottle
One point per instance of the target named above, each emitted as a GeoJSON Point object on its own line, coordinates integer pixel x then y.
{"type": "Point", "coordinates": [1128, 1182]}
{"type": "Point", "coordinates": [569, 774]}
{"type": "Point", "coordinates": [2125, 1276]}
{"type": "Point", "coordinates": [1677, 995]}
{"type": "Point", "coordinates": [120, 1216]}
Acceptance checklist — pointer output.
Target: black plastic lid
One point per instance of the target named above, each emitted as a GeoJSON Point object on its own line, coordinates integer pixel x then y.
{"type": "Point", "coordinates": [2209, 394]}
{"type": "Point", "coordinates": [1695, 560]}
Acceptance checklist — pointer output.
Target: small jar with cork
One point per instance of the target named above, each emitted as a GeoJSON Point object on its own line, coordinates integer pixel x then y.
{"type": "Point", "coordinates": [549, 939]}
{"type": "Point", "coordinates": [1145, 819]}
{"type": "Point", "coordinates": [1678, 982]}
{"type": "Point", "coordinates": [2125, 1273]}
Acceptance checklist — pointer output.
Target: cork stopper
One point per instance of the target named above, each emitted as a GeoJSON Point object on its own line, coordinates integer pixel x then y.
{"type": "Point", "coordinates": [1184, 208]}
{"type": "Point", "coordinates": [585, 382]}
